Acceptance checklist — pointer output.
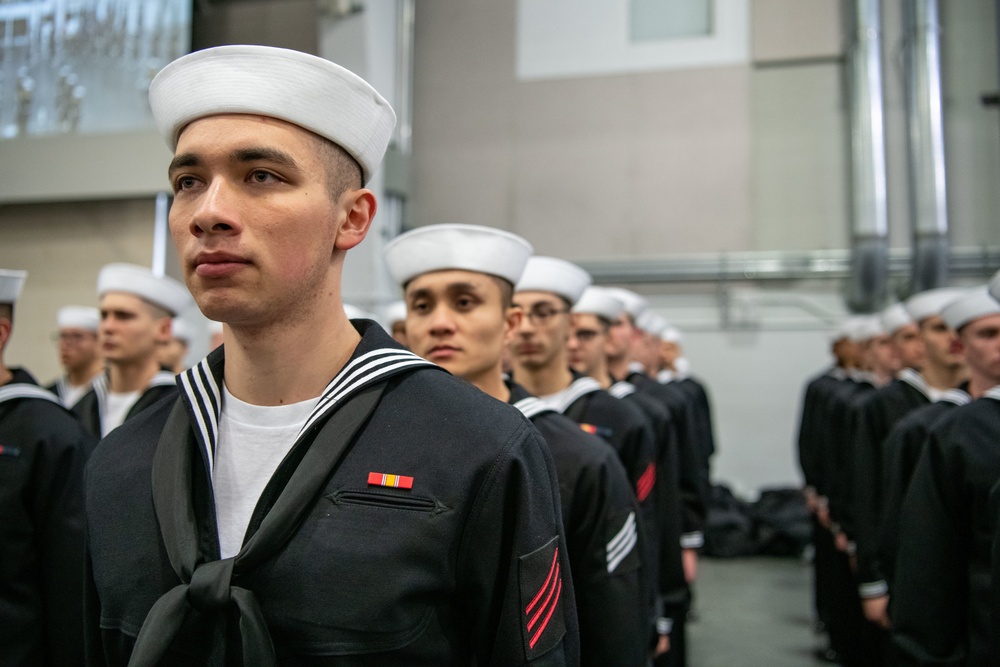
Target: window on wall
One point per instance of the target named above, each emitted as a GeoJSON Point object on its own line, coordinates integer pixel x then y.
{"type": "Point", "coordinates": [655, 20]}
{"type": "Point", "coordinates": [578, 38]}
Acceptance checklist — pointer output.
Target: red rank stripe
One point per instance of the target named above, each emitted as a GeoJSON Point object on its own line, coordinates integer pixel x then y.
{"type": "Point", "coordinates": [589, 428]}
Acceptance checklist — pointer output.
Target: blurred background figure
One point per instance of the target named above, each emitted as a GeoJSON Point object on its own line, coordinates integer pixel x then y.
{"type": "Point", "coordinates": [79, 353]}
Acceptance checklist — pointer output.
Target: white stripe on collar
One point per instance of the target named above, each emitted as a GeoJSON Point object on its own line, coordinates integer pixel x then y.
{"type": "Point", "coordinates": [666, 376]}
{"type": "Point", "coordinates": [956, 396]}
{"type": "Point", "coordinates": [917, 381]}
{"type": "Point", "coordinates": [621, 389]}
{"type": "Point", "coordinates": [100, 385]}
{"type": "Point", "coordinates": [202, 391]}
{"type": "Point", "coordinates": [580, 387]}
{"type": "Point", "coordinates": [993, 392]}
{"type": "Point", "coordinates": [22, 390]}
{"type": "Point", "coordinates": [838, 373]}
{"type": "Point", "coordinates": [531, 407]}
{"type": "Point", "coordinates": [162, 379]}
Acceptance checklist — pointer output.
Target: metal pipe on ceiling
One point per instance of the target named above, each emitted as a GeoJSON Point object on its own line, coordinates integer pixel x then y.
{"type": "Point", "coordinates": [925, 145]}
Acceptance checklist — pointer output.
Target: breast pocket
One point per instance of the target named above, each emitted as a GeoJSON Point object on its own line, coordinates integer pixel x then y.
{"type": "Point", "coordinates": [363, 574]}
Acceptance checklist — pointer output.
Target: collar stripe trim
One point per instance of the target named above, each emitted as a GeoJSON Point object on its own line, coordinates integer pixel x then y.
{"type": "Point", "coordinates": [577, 390]}
{"type": "Point", "coordinates": [621, 389]}
{"type": "Point", "coordinates": [200, 388]}
{"type": "Point", "coordinates": [531, 407]}
{"type": "Point", "coordinates": [917, 381]}
{"type": "Point", "coordinates": [993, 393]}
{"type": "Point", "coordinates": [956, 396]}
{"type": "Point", "coordinates": [19, 390]}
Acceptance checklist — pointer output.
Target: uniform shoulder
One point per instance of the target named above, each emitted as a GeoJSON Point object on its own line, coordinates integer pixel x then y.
{"type": "Point", "coordinates": [48, 420]}
{"type": "Point", "coordinates": [137, 436]}
{"type": "Point", "coordinates": [565, 438]}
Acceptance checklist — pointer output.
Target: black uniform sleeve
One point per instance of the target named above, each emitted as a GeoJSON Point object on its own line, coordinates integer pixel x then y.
{"type": "Point", "coordinates": [807, 435]}
{"type": "Point", "coordinates": [929, 600]}
{"type": "Point", "coordinates": [606, 543]}
{"type": "Point", "coordinates": [693, 479]}
{"type": "Point", "coordinates": [514, 563]}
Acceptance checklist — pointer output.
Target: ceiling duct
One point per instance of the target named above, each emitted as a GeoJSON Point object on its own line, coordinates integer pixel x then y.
{"type": "Point", "coordinates": [867, 284]}
{"type": "Point", "coordinates": [925, 147]}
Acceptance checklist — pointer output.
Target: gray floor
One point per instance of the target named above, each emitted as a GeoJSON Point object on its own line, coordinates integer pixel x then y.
{"type": "Point", "coordinates": [753, 612]}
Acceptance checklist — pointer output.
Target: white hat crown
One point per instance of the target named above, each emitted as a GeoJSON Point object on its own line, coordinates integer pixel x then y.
{"type": "Point", "coordinates": [162, 291]}
{"type": "Point", "coordinates": [456, 247]}
{"type": "Point", "coordinates": [11, 284]}
{"type": "Point", "coordinates": [931, 302]}
{"type": "Point", "coordinates": [78, 317]}
{"type": "Point", "coordinates": [974, 304]}
{"type": "Point", "coordinates": [599, 301]}
{"type": "Point", "coordinates": [551, 274]}
{"type": "Point", "coordinates": [300, 88]}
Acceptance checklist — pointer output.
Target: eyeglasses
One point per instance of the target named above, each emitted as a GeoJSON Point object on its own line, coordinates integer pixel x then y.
{"type": "Point", "coordinates": [541, 315]}
{"type": "Point", "coordinates": [72, 337]}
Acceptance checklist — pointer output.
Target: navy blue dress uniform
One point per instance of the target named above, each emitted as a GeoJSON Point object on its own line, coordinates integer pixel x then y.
{"type": "Point", "coordinates": [42, 450]}
{"type": "Point", "coordinates": [89, 408]}
{"type": "Point", "coordinates": [940, 603]}
{"type": "Point", "coordinates": [392, 534]}
{"type": "Point", "coordinates": [900, 453]}
{"type": "Point", "coordinates": [603, 535]}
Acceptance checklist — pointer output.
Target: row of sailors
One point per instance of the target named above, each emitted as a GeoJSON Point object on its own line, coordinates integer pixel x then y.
{"type": "Point", "coordinates": [593, 368]}
{"type": "Point", "coordinates": [898, 444]}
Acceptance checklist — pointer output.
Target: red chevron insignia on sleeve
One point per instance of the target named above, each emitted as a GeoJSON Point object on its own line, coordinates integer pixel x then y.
{"type": "Point", "coordinates": [543, 624]}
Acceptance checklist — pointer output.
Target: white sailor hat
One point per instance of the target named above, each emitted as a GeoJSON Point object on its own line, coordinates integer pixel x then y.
{"type": "Point", "coordinates": [671, 334]}
{"type": "Point", "coordinates": [78, 317]}
{"type": "Point", "coordinates": [162, 291]}
{"type": "Point", "coordinates": [181, 330]}
{"type": "Point", "coordinates": [634, 304]}
{"type": "Point", "coordinates": [11, 284]}
{"type": "Point", "coordinates": [394, 312]}
{"type": "Point", "coordinates": [601, 302]}
{"type": "Point", "coordinates": [972, 305]}
{"type": "Point", "coordinates": [462, 247]}
{"type": "Point", "coordinates": [895, 317]}
{"type": "Point", "coordinates": [867, 327]}
{"type": "Point", "coordinates": [995, 285]}
{"type": "Point", "coordinates": [650, 323]}
{"type": "Point", "coordinates": [930, 302]}
{"type": "Point", "coordinates": [355, 313]}
{"type": "Point", "coordinates": [300, 88]}
{"type": "Point", "coordinates": [551, 274]}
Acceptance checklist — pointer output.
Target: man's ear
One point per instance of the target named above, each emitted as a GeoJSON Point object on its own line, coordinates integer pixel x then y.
{"type": "Point", "coordinates": [5, 329]}
{"type": "Point", "coordinates": [512, 322]}
{"type": "Point", "coordinates": [358, 208]}
{"type": "Point", "coordinates": [164, 329]}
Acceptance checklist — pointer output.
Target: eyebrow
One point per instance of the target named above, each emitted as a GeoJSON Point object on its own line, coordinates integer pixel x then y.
{"type": "Point", "coordinates": [450, 290]}
{"type": "Point", "coordinates": [252, 154]}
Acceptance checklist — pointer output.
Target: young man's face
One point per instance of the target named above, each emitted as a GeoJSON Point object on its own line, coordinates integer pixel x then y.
{"type": "Point", "coordinates": [540, 340]}
{"type": "Point", "coordinates": [909, 346]}
{"type": "Point", "coordinates": [458, 320]}
{"type": "Point", "coordinates": [885, 357]}
{"type": "Point", "coordinates": [981, 342]}
{"type": "Point", "coordinates": [256, 227]}
{"type": "Point", "coordinates": [669, 352]}
{"type": "Point", "coordinates": [941, 343]}
{"type": "Point", "coordinates": [130, 332]}
{"type": "Point", "coordinates": [585, 347]}
{"type": "Point", "coordinates": [620, 338]}
{"type": "Point", "coordinates": [171, 354]}
{"type": "Point", "coordinates": [77, 348]}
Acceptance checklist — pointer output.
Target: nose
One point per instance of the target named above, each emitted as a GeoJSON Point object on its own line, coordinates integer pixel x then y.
{"type": "Point", "coordinates": [215, 210]}
{"type": "Point", "coordinates": [441, 321]}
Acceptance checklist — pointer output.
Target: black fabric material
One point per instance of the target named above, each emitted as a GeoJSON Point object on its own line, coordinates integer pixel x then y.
{"type": "Point", "coordinates": [88, 410]}
{"type": "Point", "coordinates": [940, 602]}
{"type": "Point", "coordinates": [372, 576]}
{"type": "Point", "coordinates": [41, 531]}
{"type": "Point", "coordinates": [596, 497]}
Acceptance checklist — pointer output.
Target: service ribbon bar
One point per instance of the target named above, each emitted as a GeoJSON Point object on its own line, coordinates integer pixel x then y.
{"type": "Point", "coordinates": [392, 481]}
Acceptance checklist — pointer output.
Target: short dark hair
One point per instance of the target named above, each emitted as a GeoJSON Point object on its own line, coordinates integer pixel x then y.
{"type": "Point", "coordinates": [7, 311]}
{"type": "Point", "coordinates": [342, 171]}
{"type": "Point", "coordinates": [506, 292]}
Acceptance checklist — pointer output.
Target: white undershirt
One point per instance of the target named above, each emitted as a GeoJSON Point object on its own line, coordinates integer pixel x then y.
{"type": "Point", "coordinates": [116, 407]}
{"type": "Point", "coordinates": [253, 440]}
{"type": "Point", "coordinates": [74, 392]}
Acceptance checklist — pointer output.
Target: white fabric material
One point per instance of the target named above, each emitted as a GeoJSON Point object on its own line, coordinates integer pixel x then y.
{"type": "Point", "coordinates": [78, 317]}
{"type": "Point", "coordinates": [70, 394]}
{"type": "Point", "coordinates": [299, 88]}
{"type": "Point", "coordinates": [162, 291]}
{"type": "Point", "coordinates": [634, 304]}
{"type": "Point", "coordinates": [253, 440]}
{"type": "Point", "coordinates": [895, 317]}
{"type": "Point", "coordinates": [931, 302]}
{"type": "Point", "coordinates": [994, 285]}
{"type": "Point", "coordinates": [394, 312]}
{"type": "Point", "coordinates": [11, 284]}
{"type": "Point", "coordinates": [600, 301]}
{"type": "Point", "coordinates": [561, 400]}
{"type": "Point", "coordinates": [974, 304]}
{"type": "Point", "coordinates": [551, 274]}
{"type": "Point", "coordinates": [671, 334]}
{"type": "Point", "coordinates": [116, 407]}
{"type": "Point", "coordinates": [457, 247]}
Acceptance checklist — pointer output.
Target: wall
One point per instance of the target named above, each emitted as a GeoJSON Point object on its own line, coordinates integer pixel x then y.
{"type": "Point", "coordinates": [63, 247]}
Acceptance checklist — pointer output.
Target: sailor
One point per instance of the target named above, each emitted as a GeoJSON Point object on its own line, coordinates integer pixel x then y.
{"type": "Point", "coordinates": [458, 281]}
{"type": "Point", "coordinates": [625, 349]}
{"type": "Point", "coordinates": [940, 600]}
{"type": "Point", "coordinates": [976, 320]}
{"type": "Point", "coordinates": [299, 501]}
{"type": "Point", "coordinates": [136, 312]}
{"type": "Point", "coordinates": [79, 352]}
{"type": "Point", "coordinates": [42, 452]}
{"type": "Point", "coordinates": [943, 369]}
{"type": "Point", "coordinates": [904, 334]}
{"type": "Point", "coordinates": [172, 353]}
{"type": "Point", "coordinates": [394, 316]}
{"type": "Point", "coordinates": [593, 315]}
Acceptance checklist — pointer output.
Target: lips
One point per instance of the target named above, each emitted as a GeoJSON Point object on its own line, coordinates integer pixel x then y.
{"type": "Point", "coordinates": [440, 352]}
{"type": "Point", "coordinates": [218, 264]}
